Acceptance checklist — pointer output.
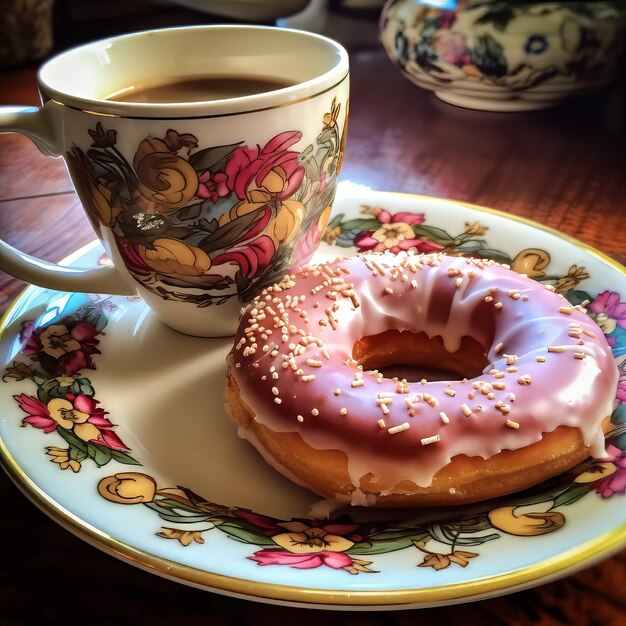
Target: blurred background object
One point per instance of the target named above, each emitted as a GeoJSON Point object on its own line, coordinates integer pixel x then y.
{"type": "Point", "coordinates": [505, 55]}
{"type": "Point", "coordinates": [25, 31]}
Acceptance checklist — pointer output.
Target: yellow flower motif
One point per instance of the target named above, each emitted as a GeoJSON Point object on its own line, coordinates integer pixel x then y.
{"type": "Point", "coordinates": [391, 235]}
{"type": "Point", "coordinates": [57, 341]}
{"type": "Point", "coordinates": [62, 411]}
{"type": "Point", "coordinates": [186, 537]}
{"type": "Point", "coordinates": [359, 566]}
{"type": "Point", "coordinates": [596, 472]}
{"type": "Point", "coordinates": [607, 324]}
{"type": "Point", "coordinates": [301, 539]}
{"type": "Point", "coordinates": [527, 525]}
{"type": "Point", "coordinates": [531, 262]}
{"type": "Point", "coordinates": [284, 227]}
{"type": "Point", "coordinates": [128, 488]}
{"type": "Point", "coordinates": [374, 211]}
{"type": "Point", "coordinates": [574, 276]}
{"type": "Point", "coordinates": [61, 456]}
{"type": "Point", "coordinates": [330, 234]}
{"type": "Point", "coordinates": [441, 561]}
{"type": "Point", "coordinates": [475, 228]}
{"type": "Point", "coordinates": [330, 118]}
{"type": "Point", "coordinates": [167, 181]}
{"type": "Point", "coordinates": [172, 256]}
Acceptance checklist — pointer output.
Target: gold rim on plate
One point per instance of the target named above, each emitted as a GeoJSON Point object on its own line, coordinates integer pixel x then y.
{"type": "Point", "coordinates": [557, 566]}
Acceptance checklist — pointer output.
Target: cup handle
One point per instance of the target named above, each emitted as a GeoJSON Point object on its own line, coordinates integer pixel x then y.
{"type": "Point", "coordinates": [35, 123]}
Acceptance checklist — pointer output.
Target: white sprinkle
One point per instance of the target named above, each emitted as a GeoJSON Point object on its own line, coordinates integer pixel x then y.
{"type": "Point", "coordinates": [450, 392]}
{"type": "Point", "coordinates": [444, 418]}
{"type": "Point", "coordinates": [388, 290]}
{"type": "Point", "coordinates": [307, 379]}
{"type": "Point", "coordinates": [300, 418]}
{"type": "Point", "coordinates": [428, 440]}
{"type": "Point", "coordinates": [498, 347]}
{"type": "Point", "coordinates": [512, 424]}
{"type": "Point", "coordinates": [589, 333]}
{"type": "Point", "coordinates": [414, 284]}
{"type": "Point", "coordinates": [398, 429]}
{"type": "Point", "coordinates": [314, 363]}
{"type": "Point", "coordinates": [541, 359]}
{"type": "Point", "coordinates": [275, 391]}
{"type": "Point", "coordinates": [381, 423]}
{"type": "Point", "coordinates": [579, 355]}
{"type": "Point", "coordinates": [525, 380]}
{"type": "Point", "coordinates": [466, 410]}
{"type": "Point", "coordinates": [357, 383]}
{"type": "Point", "coordinates": [566, 310]}
{"type": "Point", "coordinates": [555, 349]}
{"type": "Point", "coordinates": [315, 412]}
{"type": "Point", "coordinates": [385, 409]}
{"type": "Point", "coordinates": [343, 411]}
{"type": "Point", "coordinates": [277, 400]}
{"type": "Point", "coordinates": [337, 392]}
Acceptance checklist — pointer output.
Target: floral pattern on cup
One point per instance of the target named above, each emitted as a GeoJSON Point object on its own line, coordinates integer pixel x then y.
{"type": "Point", "coordinates": [503, 46]}
{"type": "Point", "coordinates": [53, 355]}
{"type": "Point", "coordinates": [204, 224]}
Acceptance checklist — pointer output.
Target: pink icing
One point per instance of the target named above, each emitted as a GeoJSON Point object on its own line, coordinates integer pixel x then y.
{"type": "Point", "coordinates": [291, 333]}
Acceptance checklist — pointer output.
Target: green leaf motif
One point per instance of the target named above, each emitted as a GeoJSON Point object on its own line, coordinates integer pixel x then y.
{"type": "Point", "coordinates": [433, 233]}
{"type": "Point", "coordinates": [360, 224]}
{"type": "Point", "coordinates": [230, 232]}
{"type": "Point", "coordinates": [72, 439]}
{"type": "Point", "coordinates": [122, 457]}
{"type": "Point", "coordinates": [487, 55]}
{"type": "Point", "coordinates": [499, 18]}
{"type": "Point", "coordinates": [245, 535]}
{"type": "Point", "coordinates": [383, 546]}
{"type": "Point", "coordinates": [577, 296]}
{"type": "Point", "coordinates": [570, 495]}
{"type": "Point", "coordinates": [100, 454]}
{"type": "Point", "coordinates": [212, 159]}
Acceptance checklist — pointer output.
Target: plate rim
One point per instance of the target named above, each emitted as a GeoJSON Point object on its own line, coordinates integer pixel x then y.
{"type": "Point", "coordinates": [600, 547]}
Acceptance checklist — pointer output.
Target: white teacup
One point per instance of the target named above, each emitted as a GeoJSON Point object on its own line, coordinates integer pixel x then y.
{"type": "Point", "coordinates": [203, 199]}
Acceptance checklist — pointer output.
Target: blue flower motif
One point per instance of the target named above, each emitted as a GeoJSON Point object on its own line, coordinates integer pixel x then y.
{"type": "Point", "coordinates": [536, 44]}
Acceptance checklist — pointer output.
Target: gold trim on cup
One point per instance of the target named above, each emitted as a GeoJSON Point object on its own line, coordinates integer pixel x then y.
{"type": "Point", "coordinates": [197, 117]}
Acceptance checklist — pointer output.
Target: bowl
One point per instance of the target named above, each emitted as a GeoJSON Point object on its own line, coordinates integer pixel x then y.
{"type": "Point", "coordinates": [505, 55]}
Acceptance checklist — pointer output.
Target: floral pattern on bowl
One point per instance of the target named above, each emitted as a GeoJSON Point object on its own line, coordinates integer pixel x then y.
{"type": "Point", "coordinates": [59, 398]}
{"type": "Point", "coordinates": [505, 55]}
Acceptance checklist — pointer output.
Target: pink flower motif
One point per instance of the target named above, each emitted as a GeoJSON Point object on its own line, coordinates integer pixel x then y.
{"type": "Point", "coordinates": [450, 47]}
{"type": "Point", "coordinates": [334, 560]}
{"type": "Point", "coordinates": [384, 217]}
{"type": "Point", "coordinates": [79, 413]}
{"type": "Point", "coordinates": [366, 242]}
{"type": "Point", "coordinates": [614, 483]}
{"type": "Point", "coordinates": [621, 391]}
{"type": "Point", "coordinates": [212, 187]}
{"type": "Point", "coordinates": [261, 174]}
{"type": "Point", "coordinates": [252, 259]}
{"type": "Point", "coordinates": [71, 345]}
{"type": "Point", "coordinates": [608, 303]}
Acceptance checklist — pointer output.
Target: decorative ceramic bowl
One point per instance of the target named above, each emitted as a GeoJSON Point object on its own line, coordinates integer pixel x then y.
{"type": "Point", "coordinates": [505, 55]}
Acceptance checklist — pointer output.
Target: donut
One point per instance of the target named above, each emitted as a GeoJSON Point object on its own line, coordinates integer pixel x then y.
{"type": "Point", "coordinates": [532, 380]}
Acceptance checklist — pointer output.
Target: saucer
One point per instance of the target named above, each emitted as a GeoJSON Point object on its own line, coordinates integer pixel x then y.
{"type": "Point", "coordinates": [114, 425]}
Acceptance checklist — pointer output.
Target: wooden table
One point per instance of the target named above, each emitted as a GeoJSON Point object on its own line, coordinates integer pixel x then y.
{"type": "Point", "coordinates": [562, 167]}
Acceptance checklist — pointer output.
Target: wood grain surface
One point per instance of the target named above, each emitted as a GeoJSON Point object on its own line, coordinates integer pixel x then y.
{"type": "Point", "coordinates": [563, 167]}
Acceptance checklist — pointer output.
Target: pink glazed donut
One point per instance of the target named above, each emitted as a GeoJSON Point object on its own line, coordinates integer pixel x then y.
{"type": "Point", "coordinates": [535, 380]}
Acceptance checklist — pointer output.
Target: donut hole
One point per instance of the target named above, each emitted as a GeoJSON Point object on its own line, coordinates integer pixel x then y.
{"type": "Point", "coordinates": [415, 355]}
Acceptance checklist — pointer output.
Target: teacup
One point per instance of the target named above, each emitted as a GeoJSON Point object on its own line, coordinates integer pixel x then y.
{"type": "Point", "coordinates": [212, 189]}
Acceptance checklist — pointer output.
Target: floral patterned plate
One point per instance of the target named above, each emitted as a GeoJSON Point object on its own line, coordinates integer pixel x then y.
{"type": "Point", "coordinates": [113, 424]}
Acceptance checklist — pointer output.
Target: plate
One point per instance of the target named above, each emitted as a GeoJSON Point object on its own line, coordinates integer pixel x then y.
{"type": "Point", "coordinates": [113, 425]}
